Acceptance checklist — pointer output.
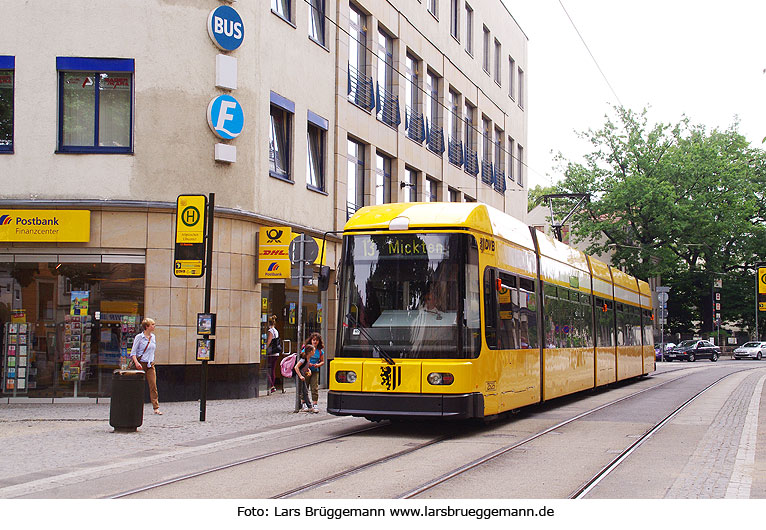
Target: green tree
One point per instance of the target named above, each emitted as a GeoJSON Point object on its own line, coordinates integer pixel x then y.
{"type": "Point", "coordinates": [676, 201]}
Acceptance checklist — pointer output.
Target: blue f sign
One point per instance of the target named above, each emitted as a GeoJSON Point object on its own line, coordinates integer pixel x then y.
{"type": "Point", "coordinates": [225, 117]}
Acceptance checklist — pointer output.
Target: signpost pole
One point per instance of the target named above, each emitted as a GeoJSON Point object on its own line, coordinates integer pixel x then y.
{"type": "Point", "coordinates": [662, 298]}
{"type": "Point", "coordinates": [299, 335]}
{"type": "Point", "coordinates": [208, 284]}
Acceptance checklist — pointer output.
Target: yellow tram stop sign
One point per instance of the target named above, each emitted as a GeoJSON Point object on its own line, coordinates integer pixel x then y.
{"type": "Point", "coordinates": [761, 288]}
{"type": "Point", "coordinates": [190, 219]}
{"type": "Point", "coordinates": [189, 256]}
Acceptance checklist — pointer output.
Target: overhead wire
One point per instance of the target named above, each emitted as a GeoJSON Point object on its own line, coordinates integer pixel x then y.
{"type": "Point", "coordinates": [561, 3]}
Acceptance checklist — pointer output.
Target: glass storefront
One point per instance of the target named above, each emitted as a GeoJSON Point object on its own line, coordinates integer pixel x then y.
{"type": "Point", "coordinates": [282, 301]}
{"type": "Point", "coordinates": [64, 327]}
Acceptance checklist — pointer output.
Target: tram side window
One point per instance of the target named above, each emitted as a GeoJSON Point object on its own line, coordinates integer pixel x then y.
{"type": "Point", "coordinates": [509, 311]}
{"type": "Point", "coordinates": [647, 328]}
{"type": "Point", "coordinates": [500, 306]}
{"type": "Point", "coordinates": [635, 325]}
{"type": "Point", "coordinates": [568, 318]}
{"type": "Point", "coordinates": [604, 323]}
{"type": "Point", "coordinates": [527, 313]}
{"type": "Point", "coordinates": [490, 308]}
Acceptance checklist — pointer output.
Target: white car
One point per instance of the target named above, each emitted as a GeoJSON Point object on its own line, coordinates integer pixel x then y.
{"type": "Point", "coordinates": [750, 350]}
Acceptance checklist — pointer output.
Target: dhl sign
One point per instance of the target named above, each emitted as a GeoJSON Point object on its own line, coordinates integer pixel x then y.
{"type": "Point", "coordinates": [273, 253]}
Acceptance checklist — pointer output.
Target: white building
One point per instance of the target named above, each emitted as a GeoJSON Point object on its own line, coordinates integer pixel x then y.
{"type": "Point", "coordinates": [105, 109]}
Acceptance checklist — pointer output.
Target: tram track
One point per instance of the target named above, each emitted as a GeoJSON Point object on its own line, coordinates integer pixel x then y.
{"type": "Point", "coordinates": [415, 448]}
{"type": "Point", "coordinates": [593, 481]}
{"type": "Point", "coordinates": [378, 461]}
{"type": "Point", "coordinates": [256, 458]}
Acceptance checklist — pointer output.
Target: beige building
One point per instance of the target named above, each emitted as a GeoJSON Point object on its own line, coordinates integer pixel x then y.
{"type": "Point", "coordinates": [293, 113]}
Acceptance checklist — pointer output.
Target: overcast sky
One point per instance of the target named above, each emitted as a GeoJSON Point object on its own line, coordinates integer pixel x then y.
{"type": "Point", "coordinates": [700, 58]}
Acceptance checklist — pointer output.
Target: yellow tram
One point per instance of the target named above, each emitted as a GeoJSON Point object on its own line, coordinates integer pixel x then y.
{"type": "Point", "coordinates": [457, 310]}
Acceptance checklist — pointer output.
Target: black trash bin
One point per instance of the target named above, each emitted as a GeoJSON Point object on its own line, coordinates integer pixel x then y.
{"type": "Point", "coordinates": [126, 408]}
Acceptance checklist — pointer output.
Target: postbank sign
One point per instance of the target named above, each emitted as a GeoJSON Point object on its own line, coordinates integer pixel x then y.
{"type": "Point", "coordinates": [33, 226]}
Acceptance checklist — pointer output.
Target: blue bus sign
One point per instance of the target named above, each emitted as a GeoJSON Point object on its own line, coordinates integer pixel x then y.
{"type": "Point", "coordinates": [225, 117]}
{"type": "Point", "coordinates": [225, 27]}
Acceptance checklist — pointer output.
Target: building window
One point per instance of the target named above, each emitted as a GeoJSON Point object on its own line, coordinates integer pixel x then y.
{"type": "Point", "coordinates": [283, 8]}
{"type": "Point", "coordinates": [520, 171]}
{"type": "Point", "coordinates": [487, 59]}
{"type": "Point", "coordinates": [471, 163]}
{"type": "Point", "coordinates": [360, 85]}
{"type": "Point", "coordinates": [280, 136]}
{"type": "Point", "coordinates": [317, 21]}
{"type": "Point", "coordinates": [95, 105]}
{"type": "Point", "coordinates": [7, 66]}
{"type": "Point", "coordinates": [431, 191]}
{"type": "Point", "coordinates": [454, 195]}
{"type": "Point", "coordinates": [486, 143]}
{"type": "Point", "coordinates": [382, 179]}
{"type": "Point", "coordinates": [433, 7]}
{"type": "Point", "coordinates": [415, 123]}
{"type": "Point", "coordinates": [388, 101]}
{"type": "Point", "coordinates": [499, 150]}
{"type": "Point", "coordinates": [410, 185]}
{"type": "Point", "coordinates": [455, 18]}
{"type": "Point", "coordinates": [498, 63]}
{"type": "Point", "coordinates": [521, 88]}
{"type": "Point", "coordinates": [356, 180]}
{"type": "Point", "coordinates": [511, 147]}
{"type": "Point", "coordinates": [315, 163]}
{"type": "Point", "coordinates": [468, 29]}
{"type": "Point", "coordinates": [470, 112]}
{"type": "Point", "coordinates": [454, 115]}
{"type": "Point", "coordinates": [511, 73]}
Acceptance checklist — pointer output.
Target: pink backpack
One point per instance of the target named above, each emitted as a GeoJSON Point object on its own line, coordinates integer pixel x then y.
{"type": "Point", "coordinates": [287, 364]}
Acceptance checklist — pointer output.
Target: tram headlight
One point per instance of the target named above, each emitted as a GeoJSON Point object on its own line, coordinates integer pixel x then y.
{"type": "Point", "coordinates": [345, 376]}
{"type": "Point", "coordinates": [440, 378]}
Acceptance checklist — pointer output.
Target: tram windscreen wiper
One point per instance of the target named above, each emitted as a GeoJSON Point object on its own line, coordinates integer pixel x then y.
{"type": "Point", "coordinates": [375, 346]}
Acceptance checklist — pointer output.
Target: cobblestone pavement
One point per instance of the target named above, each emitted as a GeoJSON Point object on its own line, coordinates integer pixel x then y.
{"type": "Point", "coordinates": [66, 436]}
{"type": "Point", "coordinates": [708, 473]}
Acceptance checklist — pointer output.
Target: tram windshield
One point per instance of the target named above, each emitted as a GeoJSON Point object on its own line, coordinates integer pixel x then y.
{"type": "Point", "coordinates": [411, 296]}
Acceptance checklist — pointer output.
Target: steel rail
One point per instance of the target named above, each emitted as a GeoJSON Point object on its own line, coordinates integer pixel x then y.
{"type": "Point", "coordinates": [503, 450]}
{"type": "Point", "coordinates": [583, 490]}
{"type": "Point", "coordinates": [263, 456]}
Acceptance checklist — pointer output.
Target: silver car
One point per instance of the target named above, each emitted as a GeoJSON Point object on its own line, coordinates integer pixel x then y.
{"type": "Point", "coordinates": [750, 350]}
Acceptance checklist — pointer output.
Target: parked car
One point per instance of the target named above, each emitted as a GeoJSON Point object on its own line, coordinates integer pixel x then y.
{"type": "Point", "coordinates": [691, 350]}
{"type": "Point", "coordinates": [658, 350]}
{"type": "Point", "coordinates": [750, 350]}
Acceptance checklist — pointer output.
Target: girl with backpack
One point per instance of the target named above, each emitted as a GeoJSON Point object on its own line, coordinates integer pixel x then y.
{"type": "Point", "coordinates": [303, 371]}
{"type": "Point", "coordinates": [316, 361]}
{"type": "Point", "coordinates": [273, 349]}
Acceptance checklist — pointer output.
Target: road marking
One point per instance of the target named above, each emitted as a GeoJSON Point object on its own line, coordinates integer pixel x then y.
{"type": "Point", "coordinates": [742, 476]}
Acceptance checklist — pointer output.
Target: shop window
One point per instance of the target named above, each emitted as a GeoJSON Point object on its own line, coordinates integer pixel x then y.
{"type": "Point", "coordinates": [95, 105]}
{"type": "Point", "coordinates": [72, 325]}
{"type": "Point", "coordinates": [7, 65]}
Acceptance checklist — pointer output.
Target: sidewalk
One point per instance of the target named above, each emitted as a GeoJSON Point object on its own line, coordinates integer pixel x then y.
{"type": "Point", "coordinates": [39, 439]}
